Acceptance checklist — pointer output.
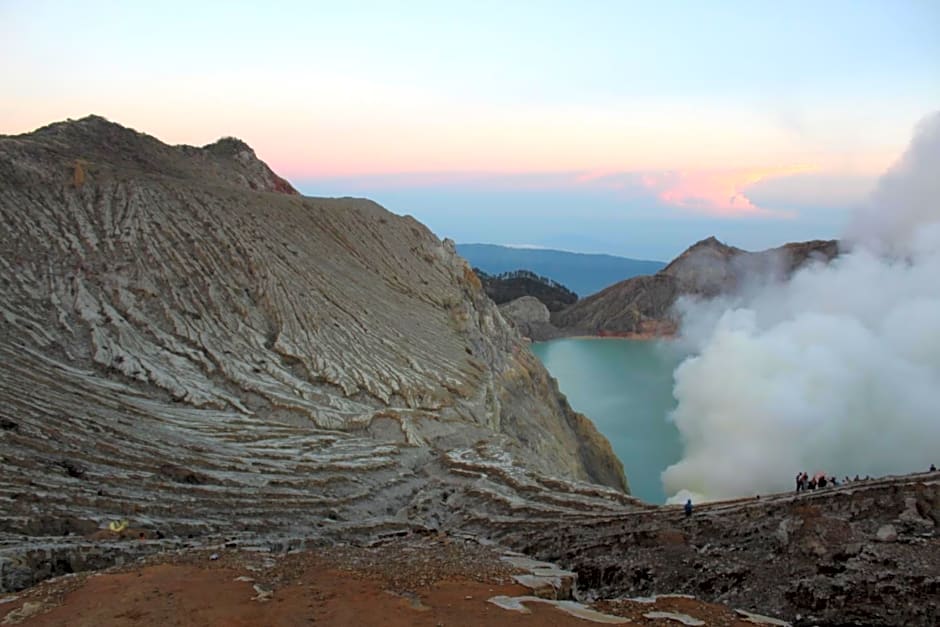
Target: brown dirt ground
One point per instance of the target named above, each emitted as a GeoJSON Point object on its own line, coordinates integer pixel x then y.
{"type": "Point", "coordinates": [436, 583]}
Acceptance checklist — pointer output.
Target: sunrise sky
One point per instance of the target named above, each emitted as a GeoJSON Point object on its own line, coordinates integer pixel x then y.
{"type": "Point", "coordinates": [632, 128]}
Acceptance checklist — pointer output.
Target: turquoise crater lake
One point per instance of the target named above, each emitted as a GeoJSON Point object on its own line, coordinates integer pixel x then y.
{"type": "Point", "coordinates": [625, 388]}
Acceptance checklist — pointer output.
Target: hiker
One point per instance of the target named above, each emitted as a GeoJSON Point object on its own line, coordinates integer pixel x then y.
{"type": "Point", "coordinates": [812, 484]}
{"type": "Point", "coordinates": [799, 481]}
{"type": "Point", "coordinates": [933, 468]}
{"type": "Point", "coordinates": [822, 482]}
{"type": "Point", "coordinates": [688, 508]}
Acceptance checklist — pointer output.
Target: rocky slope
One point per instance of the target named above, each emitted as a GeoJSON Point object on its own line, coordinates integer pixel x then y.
{"type": "Point", "coordinates": [866, 553]}
{"type": "Point", "coordinates": [184, 337]}
{"type": "Point", "coordinates": [643, 306]}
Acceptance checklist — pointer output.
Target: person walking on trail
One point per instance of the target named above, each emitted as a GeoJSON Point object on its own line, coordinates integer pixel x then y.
{"type": "Point", "coordinates": [799, 481]}
{"type": "Point", "coordinates": [688, 508]}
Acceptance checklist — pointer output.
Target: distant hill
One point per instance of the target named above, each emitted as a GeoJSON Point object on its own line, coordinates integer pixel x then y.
{"type": "Point", "coordinates": [643, 305]}
{"type": "Point", "coordinates": [583, 273]}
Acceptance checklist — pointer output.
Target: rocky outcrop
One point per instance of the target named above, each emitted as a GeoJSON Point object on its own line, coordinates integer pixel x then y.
{"type": "Point", "coordinates": [531, 317]}
{"type": "Point", "coordinates": [643, 306]}
{"type": "Point", "coordinates": [184, 337]}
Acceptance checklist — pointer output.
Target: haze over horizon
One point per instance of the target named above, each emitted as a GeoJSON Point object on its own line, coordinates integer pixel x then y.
{"type": "Point", "coordinates": [624, 128]}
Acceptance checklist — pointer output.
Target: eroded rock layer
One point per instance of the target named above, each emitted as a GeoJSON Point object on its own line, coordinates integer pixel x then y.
{"type": "Point", "coordinates": [188, 343]}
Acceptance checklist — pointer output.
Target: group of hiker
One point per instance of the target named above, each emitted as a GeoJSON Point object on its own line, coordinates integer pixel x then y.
{"type": "Point", "coordinates": [805, 482]}
{"type": "Point", "coordinates": [819, 480]}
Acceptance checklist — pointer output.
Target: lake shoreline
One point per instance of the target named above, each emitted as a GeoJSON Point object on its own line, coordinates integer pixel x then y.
{"type": "Point", "coordinates": [632, 337]}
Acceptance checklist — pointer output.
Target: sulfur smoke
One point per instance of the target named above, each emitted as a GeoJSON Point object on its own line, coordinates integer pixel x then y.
{"type": "Point", "coordinates": [835, 371]}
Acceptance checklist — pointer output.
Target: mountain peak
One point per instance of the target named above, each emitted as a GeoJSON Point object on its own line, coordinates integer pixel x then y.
{"type": "Point", "coordinates": [93, 131]}
{"type": "Point", "coordinates": [228, 146]}
{"type": "Point", "coordinates": [107, 145]}
{"type": "Point", "coordinates": [711, 242]}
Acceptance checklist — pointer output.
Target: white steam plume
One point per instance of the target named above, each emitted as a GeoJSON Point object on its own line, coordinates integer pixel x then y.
{"type": "Point", "coordinates": [837, 370]}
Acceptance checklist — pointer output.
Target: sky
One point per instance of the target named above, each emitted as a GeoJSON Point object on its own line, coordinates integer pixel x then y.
{"type": "Point", "coordinates": [630, 128]}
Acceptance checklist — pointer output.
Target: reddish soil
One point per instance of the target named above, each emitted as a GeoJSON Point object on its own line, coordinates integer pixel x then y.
{"type": "Point", "coordinates": [391, 586]}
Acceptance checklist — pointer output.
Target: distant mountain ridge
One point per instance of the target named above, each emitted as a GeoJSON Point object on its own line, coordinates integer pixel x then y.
{"type": "Point", "coordinates": [583, 273]}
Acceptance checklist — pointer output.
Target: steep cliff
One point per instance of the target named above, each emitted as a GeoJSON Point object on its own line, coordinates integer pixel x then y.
{"type": "Point", "coordinates": [184, 336]}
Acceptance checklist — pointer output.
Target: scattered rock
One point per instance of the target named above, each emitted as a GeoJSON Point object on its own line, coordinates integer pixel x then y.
{"type": "Point", "coordinates": [517, 604]}
{"type": "Point", "coordinates": [182, 475]}
{"type": "Point", "coordinates": [886, 533]}
{"type": "Point", "coordinates": [758, 619]}
{"type": "Point", "coordinates": [263, 595]}
{"type": "Point", "coordinates": [72, 468]}
{"type": "Point", "coordinates": [912, 519]}
{"type": "Point", "coordinates": [544, 579]}
{"type": "Point", "coordinates": [27, 610]}
{"type": "Point", "coordinates": [685, 619]}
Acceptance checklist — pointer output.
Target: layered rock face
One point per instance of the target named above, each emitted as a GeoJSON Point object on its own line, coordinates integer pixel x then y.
{"type": "Point", "coordinates": [644, 305]}
{"type": "Point", "coordinates": [189, 344]}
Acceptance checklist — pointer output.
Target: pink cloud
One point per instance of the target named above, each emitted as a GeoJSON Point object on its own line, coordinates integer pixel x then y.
{"type": "Point", "coordinates": [714, 192]}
